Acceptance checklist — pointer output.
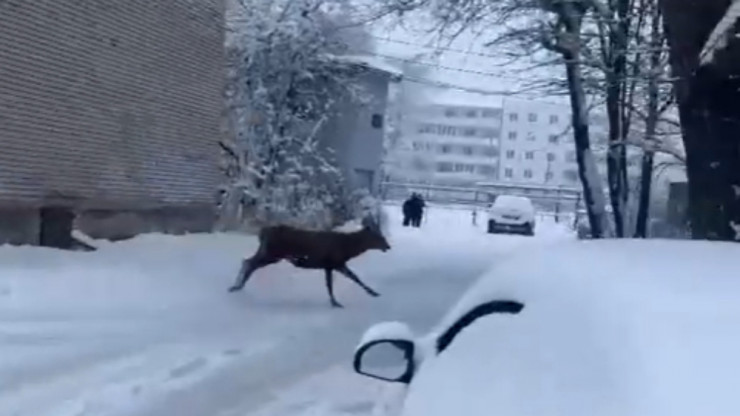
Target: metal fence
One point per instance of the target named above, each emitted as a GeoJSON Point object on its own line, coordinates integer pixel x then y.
{"type": "Point", "coordinates": [548, 200]}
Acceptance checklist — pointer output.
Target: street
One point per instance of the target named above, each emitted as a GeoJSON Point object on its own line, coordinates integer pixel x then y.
{"type": "Point", "coordinates": [146, 327]}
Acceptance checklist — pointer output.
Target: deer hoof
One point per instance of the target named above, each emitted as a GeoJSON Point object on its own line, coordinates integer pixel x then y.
{"type": "Point", "coordinates": [234, 289]}
{"type": "Point", "coordinates": [374, 294]}
{"type": "Point", "coordinates": [336, 304]}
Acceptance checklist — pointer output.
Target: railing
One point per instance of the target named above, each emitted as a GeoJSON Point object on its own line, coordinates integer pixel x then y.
{"type": "Point", "coordinates": [546, 198]}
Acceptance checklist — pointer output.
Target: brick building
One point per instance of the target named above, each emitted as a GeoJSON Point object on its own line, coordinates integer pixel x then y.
{"type": "Point", "coordinates": [111, 110]}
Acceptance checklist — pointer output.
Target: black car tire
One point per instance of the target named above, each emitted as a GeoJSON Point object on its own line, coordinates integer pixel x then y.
{"type": "Point", "coordinates": [491, 227]}
{"type": "Point", "coordinates": [529, 229]}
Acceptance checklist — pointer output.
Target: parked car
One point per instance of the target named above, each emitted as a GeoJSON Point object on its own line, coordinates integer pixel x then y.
{"type": "Point", "coordinates": [511, 214]}
{"type": "Point", "coordinates": [587, 328]}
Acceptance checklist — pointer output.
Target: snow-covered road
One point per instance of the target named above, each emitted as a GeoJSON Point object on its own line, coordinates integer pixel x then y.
{"type": "Point", "coordinates": [146, 327]}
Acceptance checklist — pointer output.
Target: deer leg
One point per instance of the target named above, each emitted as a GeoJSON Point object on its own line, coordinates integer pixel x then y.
{"type": "Point", "coordinates": [353, 277]}
{"type": "Point", "coordinates": [330, 288]}
{"type": "Point", "coordinates": [249, 266]}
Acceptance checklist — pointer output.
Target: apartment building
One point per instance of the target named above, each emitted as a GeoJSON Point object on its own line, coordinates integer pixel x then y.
{"type": "Point", "coordinates": [516, 142]}
{"type": "Point", "coordinates": [456, 145]}
{"type": "Point", "coordinates": [537, 144]}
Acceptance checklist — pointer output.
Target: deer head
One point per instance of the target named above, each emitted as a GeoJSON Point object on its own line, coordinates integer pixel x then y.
{"type": "Point", "coordinates": [373, 235]}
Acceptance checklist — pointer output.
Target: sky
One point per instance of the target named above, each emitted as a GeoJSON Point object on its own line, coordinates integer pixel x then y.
{"type": "Point", "coordinates": [464, 62]}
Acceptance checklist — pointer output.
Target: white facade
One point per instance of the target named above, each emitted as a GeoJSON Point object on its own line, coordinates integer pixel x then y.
{"type": "Point", "coordinates": [517, 142]}
{"type": "Point", "coordinates": [537, 144]}
{"type": "Point", "coordinates": [451, 145]}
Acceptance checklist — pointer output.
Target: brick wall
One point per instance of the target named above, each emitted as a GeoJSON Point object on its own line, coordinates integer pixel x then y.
{"type": "Point", "coordinates": [110, 104]}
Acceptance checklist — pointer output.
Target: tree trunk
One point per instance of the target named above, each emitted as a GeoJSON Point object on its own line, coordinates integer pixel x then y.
{"type": "Point", "coordinates": [651, 122]}
{"type": "Point", "coordinates": [646, 181]}
{"type": "Point", "coordinates": [712, 139]}
{"type": "Point", "coordinates": [592, 193]}
{"type": "Point", "coordinates": [616, 163]}
{"type": "Point", "coordinates": [709, 107]}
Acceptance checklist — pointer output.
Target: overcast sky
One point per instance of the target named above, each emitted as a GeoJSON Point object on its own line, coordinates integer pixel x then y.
{"type": "Point", "coordinates": [465, 62]}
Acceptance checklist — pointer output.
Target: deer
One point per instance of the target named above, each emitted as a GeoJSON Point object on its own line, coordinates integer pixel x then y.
{"type": "Point", "coordinates": [327, 250]}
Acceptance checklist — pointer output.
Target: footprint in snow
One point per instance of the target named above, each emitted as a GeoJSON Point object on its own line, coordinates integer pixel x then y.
{"type": "Point", "coordinates": [188, 368]}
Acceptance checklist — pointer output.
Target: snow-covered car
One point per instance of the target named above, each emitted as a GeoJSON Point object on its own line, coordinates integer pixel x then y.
{"type": "Point", "coordinates": [512, 214]}
{"type": "Point", "coordinates": [587, 328]}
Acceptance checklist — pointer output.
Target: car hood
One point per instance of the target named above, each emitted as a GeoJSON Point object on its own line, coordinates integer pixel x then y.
{"type": "Point", "coordinates": [628, 328]}
{"type": "Point", "coordinates": [515, 366]}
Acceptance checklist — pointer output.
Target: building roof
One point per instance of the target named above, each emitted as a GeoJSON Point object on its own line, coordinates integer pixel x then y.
{"type": "Point", "coordinates": [370, 62]}
{"type": "Point", "coordinates": [466, 99]}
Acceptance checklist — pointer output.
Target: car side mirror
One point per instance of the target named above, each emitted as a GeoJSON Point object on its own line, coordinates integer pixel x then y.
{"type": "Point", "coordinates": [387, 353]}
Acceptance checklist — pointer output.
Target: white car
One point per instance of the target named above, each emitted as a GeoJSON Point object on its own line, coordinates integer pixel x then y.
{"type": "Point", "coordinates": [587, 328]}
{"type": "Point", "coordinates": [513, 214]}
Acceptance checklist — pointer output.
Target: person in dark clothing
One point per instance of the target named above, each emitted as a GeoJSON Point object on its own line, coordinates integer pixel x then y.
{"type": "Point", "coordinates": [417, 211]}
{"type": "Point", "coordinates": [408, 208]}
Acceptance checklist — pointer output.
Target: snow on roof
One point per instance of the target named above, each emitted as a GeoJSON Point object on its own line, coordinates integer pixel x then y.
{"type": "Point", "coordinates": [371, 62]}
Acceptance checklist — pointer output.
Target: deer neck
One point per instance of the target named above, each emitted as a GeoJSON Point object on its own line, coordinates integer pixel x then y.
{"type": "Point", "coordinates": [357, 244]}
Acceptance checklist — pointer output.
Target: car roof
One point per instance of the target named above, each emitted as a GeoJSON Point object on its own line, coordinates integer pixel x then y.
{"type": "Point", "coordinates": [609, 328]}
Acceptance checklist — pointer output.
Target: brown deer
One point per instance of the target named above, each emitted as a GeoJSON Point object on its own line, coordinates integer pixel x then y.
{"type": "Point", "coordinates": [327, 250]}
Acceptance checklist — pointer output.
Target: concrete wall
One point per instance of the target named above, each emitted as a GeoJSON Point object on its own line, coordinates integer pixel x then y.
{"type": "Point", "coordinates": [110, 105]}
{"type": "Point", "coordinates": [357, 143]}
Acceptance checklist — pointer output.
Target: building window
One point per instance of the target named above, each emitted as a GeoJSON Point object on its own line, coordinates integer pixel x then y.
{"type": "Point", "coordinates": [513, 117]}
{"type": "Point", "coordinates": [445, 148]}
{"type": "Point", "coordinates": [548, 176]}
{"type": "Point", "coordinates": [529, 155]}
{"type": "Point", "coordinates": [377, 121]}
{"type": "Point", "coordinates": [467, 150]}
{"type": "Point", "coordinates": [512, 135]}
{"type": "Point", "coordinates": [486, 170]}
{"type": "Point", "coordinates": [508, 172]}
{"type": "Point", "coordinates": [551, 157]}
{"type": "Point", "coordinates": [491, 133]}
{"type": "Point", "coordinates": [532, 117]}
{"type": "Point", "coordinates": [471, 114]}
{"type": "Point", "coordinates": [418, 146]}
{"type": "Point", "coordinates": [490, 113]}
{"type": "Point", "coordinates": [469, 132]}
{"type": "Point", "coordinates": [528, 173]}
{"type": "Point", "coordinates": [459, 167]}
{"type": "Point", "coordinates": [450, 112]}
{"type": "Point", "coordinates": [553, 119]}
{"type": "Point", "coordinates": [553, 138]}
{"type": "Point", "coordinates": [570, 175]}
{"type": "Point", "coordinates": [470, 168]}
{"type": "Point", "coordinates": [444, 167]}
{"type": "Point", "coordinates": [490, 151]}
{"type": "Point", "coordinates": [510, 154]}
{"type": "Point", "coordinates": [531, 137]}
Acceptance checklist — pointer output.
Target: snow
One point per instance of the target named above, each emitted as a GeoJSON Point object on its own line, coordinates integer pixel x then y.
{"type": "Point", "coordinates": [519, 203]}
{"type": "Point", "coordinates": [371, 62]}
{"type": "Point", "coordinates": [146, 327]}
{"type": "Point", "coordinates": [721, 34]}
{"type": "Point", "coordinates": [386, 331]}
{"type": "Point", "coordinates": [609, 328]}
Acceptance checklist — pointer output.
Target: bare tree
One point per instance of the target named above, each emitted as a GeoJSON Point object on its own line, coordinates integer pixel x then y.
{"type": "Point", "coordinates": [557, 27]}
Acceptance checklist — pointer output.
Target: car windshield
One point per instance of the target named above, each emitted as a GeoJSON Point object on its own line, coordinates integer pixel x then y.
{"type": "Point", "coordinates": [513, 202]}
{"type": "Point", "coordinates": [205, 204]}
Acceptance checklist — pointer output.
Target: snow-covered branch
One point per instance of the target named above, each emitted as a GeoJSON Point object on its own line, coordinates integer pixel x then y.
{"type": "Point", "coordinates": [721, 34]}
